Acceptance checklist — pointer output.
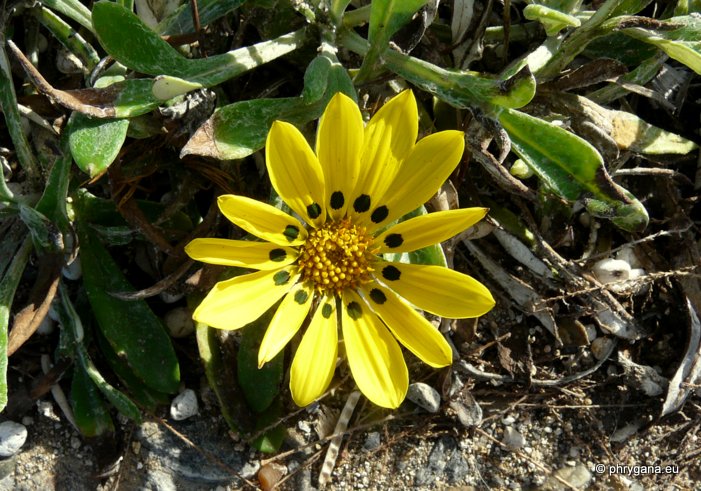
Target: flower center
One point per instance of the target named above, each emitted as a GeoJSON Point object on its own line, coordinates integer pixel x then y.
{"type": "Point", "coordinates": [336, 256]}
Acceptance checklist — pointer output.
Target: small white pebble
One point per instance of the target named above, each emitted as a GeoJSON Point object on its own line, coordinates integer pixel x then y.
{"type": "Point", "coordinates": [509, 420]}
{"type": "Point", "coordinates": [611, 270]}
{"type": "Point", "coordinates": [179, 322]}
{"type": "Point", "coordinates": [184, 405]}
{"type": "Point", "coordinates": [12, 437]}
{"type": "Point", "coordinates": [27, 421]}
{"type": "Point", "coordinates": [170, 297]}
{"type": "Point", "coordinates": [46, 326]}
{"type": "Point", "coordinates": [73, 270]}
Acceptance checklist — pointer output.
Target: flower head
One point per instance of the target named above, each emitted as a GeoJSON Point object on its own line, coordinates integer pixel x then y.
{"type": "Point", "coordinates": [330, 264]}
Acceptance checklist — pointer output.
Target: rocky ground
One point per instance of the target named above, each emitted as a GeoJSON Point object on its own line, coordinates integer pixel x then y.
{"type": "Point", "coordinates": [572, 437]}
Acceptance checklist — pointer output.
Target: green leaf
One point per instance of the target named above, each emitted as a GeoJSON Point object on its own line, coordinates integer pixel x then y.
{"type": "Point", "coordinates": [132, 329]}
{"type": "Point", "coordinates": [679, 37]}
{"type": "Point", "coordinates": [95, 143]}
{"type": "Point", "coordinates": [13, 120]}
{"type": "Point", "coordinates": [386, 18]}
{"type": "Point", "coordinates": [271, 440]}
{"type": "Point", "coordinates": [219, 362]}
{"type": "Point", "coordinates": [73, 326]}
{"type": "Point", "coordinates": [459, 88]}
{"type": "Point", "coordinates": [8, 287]}
{"type": "Point", "coordinates": [571, 167]}
{"type": "Point", "coordinates": [315, 79]}
{"type": "Point", "coordinates": [89, 410]}
{"type": "Point", "coordinates": [121, 402]}
{"type": "Point", "coordinates": [180, 21]}
{"type": "Point", "coordinates": [240, 129]}
{"type": "Point", "coordinates": [52, 203]}
{"type": "Point", "coordinates": [72, 9]}
{"type": "Point", "coordinates": [553, 21]}
{"type": "Point", "coordinates": [132, 43]}
{"type": "Point", "coordinates": [260, 386]}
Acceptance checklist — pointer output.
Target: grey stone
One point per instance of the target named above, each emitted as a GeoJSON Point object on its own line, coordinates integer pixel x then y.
{"type": "Point", "coordinates": [12, 437]}
{"type": "Point", "coordinates": [424, 396]}
{"type": "Point", "coordinates": [184, 405]}
{"type": "Point", "coordinates": [372, 441]}
{"type": "Point", "coordinates": [445, 463]}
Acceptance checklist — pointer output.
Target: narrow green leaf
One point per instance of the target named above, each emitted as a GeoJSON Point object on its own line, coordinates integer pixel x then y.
{"type": "Point", "coordinates": [240, 129]}
{"type": "Point", "coordinates": [73, 328]}
{"type": "Point", "coordinates": [180, 21]}
{"type": "Point", "coordinates": [271, 440]}
{"type": "Point", "coordinates": [219, 364]}
{"type": "Point", "coordinates": [260, 386]}
{"type": "Point", "coordinates": [8, 287]}
{"type": "Point", "coordinates": [553, 21]}
{"type": "Point", "coordinates": [52, 203]}
{"type": "Point", "coordinates": [120, 401]}
{"type": "Point", "coordinates": [89, 410]}
{"type": "Point", "coordinates": [571, 167]}
{"type": "Point", "coordinates": [679, 37]}
{"type": "Point", "coordinates": [386, 18]}
{"type": "Point", "coordinates": [72, 9]}
{"type": "Point", "coordinates": [132, 43]}
{"type": "Point", "coordinates": [459, 88]}
{"type": "Point", "coordinates": [132, 329]}
{"type": "Point", "coordinates": [95, 143]}
{"type": "Point", "coordinates": [69, 38]}
{"type": "Point", "coordinates": [9, 109]}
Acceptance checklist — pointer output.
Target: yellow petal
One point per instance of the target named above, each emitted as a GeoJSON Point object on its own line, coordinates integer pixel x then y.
{"type": "Point", "coordinates": [420, 175]}
{"type": "Point", "coordinates": [233, 303]}
{"type": "Point", "coordinates": [242, 253]}
{"type": "Point", "coordinates": [374, 357]}
{"type": "Point", "coordinates": [409, 327]}
{"type": "Point", "coordinates": [429, 229]}
{"type": "Point", "coordinates": [339, 141]}
{"type": "Point", "coordinates": [315, 361]}
{"type": "Point", "coordinates": [438, 290]}
{"type": "Point", "coordinates": [262, 220]}
{"type": "Point", "coordinates": [389, 138]}
{"type": "Point", "coordinates": [295, 172]}
{"type": "Point", "coordinates": [285, 323]}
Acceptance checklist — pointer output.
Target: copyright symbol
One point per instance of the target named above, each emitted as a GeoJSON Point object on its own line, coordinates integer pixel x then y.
{"type": "Point", "coordinates": [599, 468]}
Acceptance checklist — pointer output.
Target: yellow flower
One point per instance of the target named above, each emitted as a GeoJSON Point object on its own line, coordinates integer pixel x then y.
{"type": "Point", "coordinates": [361, 179]}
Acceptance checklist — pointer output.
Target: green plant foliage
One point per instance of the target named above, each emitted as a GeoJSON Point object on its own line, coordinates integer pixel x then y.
{"type": "Point", "coordinates": [133, 44]}
{"type": "Point", "coordinates": [95, 143]}
{"type": "Point", "coordinates": [180, 21]}
{"type": "Point", "coordinates": [89, 410]}
{"type": "Point", "coordinates": [131, 327]}
{"type": "Point", "coordinates": [260, 386]}
{"type": "Point", "coordinates": [679, 37]}
{"type": "Point", "coordinates": [571, 167]}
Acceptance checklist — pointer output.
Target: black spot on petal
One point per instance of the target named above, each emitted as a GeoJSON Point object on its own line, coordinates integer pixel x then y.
{"type": "Point", "coordinates": [394, 240]}
{"type": "Point", "coordinates": [281, 277]}
{"type": "Point", "coordinates": [337, 200]}
{"type": "Point", "coordinates": [378, 296]}
{"type": "Point", "coordinates": [391, 273]}
{"type": "Point", "coordinates": [326, 310]}
{"type": "Point", "coordinates": [291, 232]}
{"type": "Point", "coordinates": [379, 214]}
{"type": "Point", "coordinates": [314, 210]}
{"type": "Point", "coordinates": [362, 203]}
{"type": "Point", "coordinates": [354, 310]}
{"type": "Point", "coordinates": [277, 255]}
{"type": "Point", "coordinates": [301, 296]}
